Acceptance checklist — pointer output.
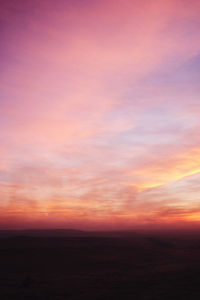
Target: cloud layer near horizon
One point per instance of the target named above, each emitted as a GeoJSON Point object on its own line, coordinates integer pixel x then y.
{"type": "Point", "coordinates": [99, 113]}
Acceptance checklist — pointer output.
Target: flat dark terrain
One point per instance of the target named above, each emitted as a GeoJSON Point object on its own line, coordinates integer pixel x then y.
{"type": "Point", "coordinates": [78, 265]}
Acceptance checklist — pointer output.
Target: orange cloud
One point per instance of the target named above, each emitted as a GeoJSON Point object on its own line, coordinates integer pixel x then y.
{"type": "Point", "coordinates": [99, 112]}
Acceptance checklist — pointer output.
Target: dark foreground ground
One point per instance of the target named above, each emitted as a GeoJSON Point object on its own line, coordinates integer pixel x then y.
{"type": "Point", "coordinates": [101, 266]}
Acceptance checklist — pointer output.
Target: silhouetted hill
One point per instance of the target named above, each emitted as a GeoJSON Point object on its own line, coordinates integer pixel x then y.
{"type": "Point", "coordinates": [42, 233]}
{"type": "Point", "coordinates": [65, 233]}
{"type": "Point", "coordinates": [77, 265]}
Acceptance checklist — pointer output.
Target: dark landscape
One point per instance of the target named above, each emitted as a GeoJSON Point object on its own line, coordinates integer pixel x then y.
{"type": "Point", "coordinates": [70, 264]}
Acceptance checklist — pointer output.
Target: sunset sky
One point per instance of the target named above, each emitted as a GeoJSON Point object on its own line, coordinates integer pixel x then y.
{"type": "Point", "coordinates": [99, 114]}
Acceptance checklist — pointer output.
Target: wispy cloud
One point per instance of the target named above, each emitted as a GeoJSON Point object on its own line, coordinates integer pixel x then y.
{"type": "Point", "coordinates": [99, 112]}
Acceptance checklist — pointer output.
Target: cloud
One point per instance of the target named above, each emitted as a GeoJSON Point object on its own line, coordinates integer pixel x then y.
{"type": "Point", "coordinates": [99, 110]}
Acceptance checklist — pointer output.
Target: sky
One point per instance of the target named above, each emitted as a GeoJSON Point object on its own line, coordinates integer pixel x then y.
{"type": "Point", "coordinates": [99, 114]}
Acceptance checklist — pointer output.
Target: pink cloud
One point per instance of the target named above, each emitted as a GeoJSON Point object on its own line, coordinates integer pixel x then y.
{"type": "Point", "coordinates": [90, 120]}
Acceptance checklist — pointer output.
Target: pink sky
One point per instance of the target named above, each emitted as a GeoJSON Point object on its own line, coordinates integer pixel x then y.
{"type": "Point", "coordinates": [99, 115]}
